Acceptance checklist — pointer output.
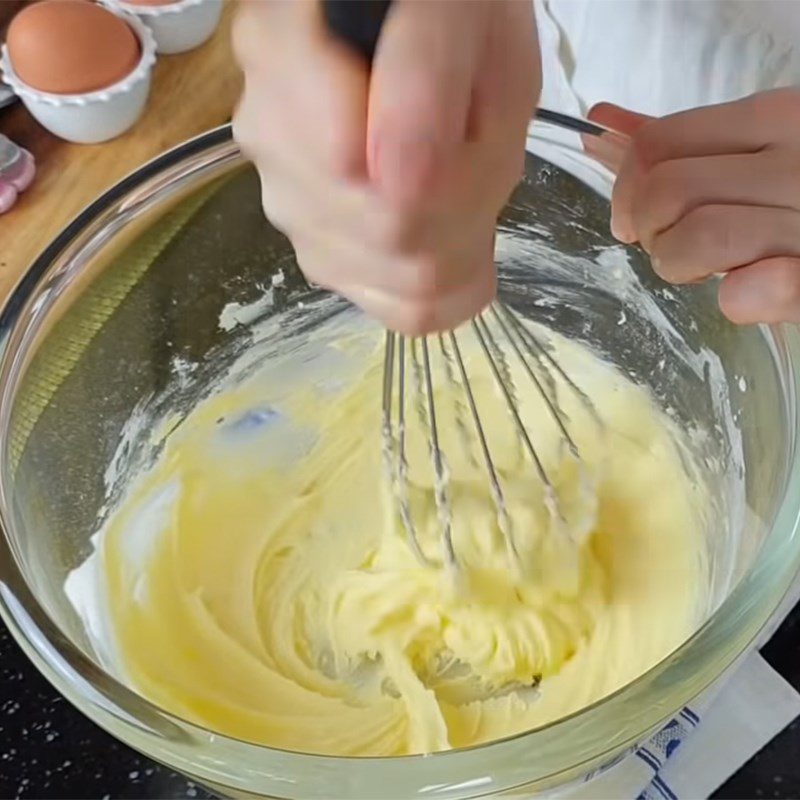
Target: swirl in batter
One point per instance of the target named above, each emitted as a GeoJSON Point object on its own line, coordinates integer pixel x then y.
{"type": "Point", "coordinates": [257, 579]}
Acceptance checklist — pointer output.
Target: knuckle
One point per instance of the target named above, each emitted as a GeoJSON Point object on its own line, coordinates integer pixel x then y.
{"type": "Point", "coordinates": [243, 112]}
{"type": "Point", "coordinates": [275, 211]}
{"type": "Point", "coordinates": [311, 268]}
{"type": "Point", "coordinates": [699, 243]}
{"type": "Point", "coordinates": [241, 129]}
{"type": "Point", "coordinates": [265, 145]}
{"type": "Point", "coordinates": [661, 180]}
{"type": "Point", "coordinates": [710, 230]}
{"type": "Point", "coordinates": [659, 200]}
{"type": "Point", "coordinates": [249, 132]}
{"type": "Point", "coordinates": [643, 143]}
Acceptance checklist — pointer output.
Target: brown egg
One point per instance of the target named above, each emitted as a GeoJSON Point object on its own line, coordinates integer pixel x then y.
{"type": "Point", "coordinates": [71, 46]}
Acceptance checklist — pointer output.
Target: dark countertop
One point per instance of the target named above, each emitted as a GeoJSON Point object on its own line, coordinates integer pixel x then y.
{"type": "Point", "coordinates": [50, 750]}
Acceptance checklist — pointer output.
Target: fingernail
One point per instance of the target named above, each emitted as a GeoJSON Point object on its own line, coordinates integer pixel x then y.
{"type": "Point", "coordinates": [737, 304]}
{"type": "Point", "coordinates": [749, 294]}
{"type": "Point", "coordinates": [620, 231]}
{"type": "Point", "coordinates": [655, 263]}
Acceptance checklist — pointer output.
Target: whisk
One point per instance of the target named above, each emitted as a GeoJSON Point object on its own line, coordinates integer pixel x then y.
{"type": "Point", "coordinates": [499, 332]}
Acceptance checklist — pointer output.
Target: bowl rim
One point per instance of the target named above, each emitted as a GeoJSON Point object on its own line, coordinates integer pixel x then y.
{"type": "Point", "coordinates": [572, 745]}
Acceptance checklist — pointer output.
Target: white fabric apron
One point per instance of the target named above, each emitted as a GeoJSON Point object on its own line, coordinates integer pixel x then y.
{"type": "Point", "coordinates": [661, 56]}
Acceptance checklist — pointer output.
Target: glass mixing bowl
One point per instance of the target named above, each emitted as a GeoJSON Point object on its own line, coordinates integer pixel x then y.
{"type": "Point", "coordinates": [135, 287]}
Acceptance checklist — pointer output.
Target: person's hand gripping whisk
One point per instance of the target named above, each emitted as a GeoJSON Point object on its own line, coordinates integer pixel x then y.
{"type": "Point", "coordinates": [388, 173]}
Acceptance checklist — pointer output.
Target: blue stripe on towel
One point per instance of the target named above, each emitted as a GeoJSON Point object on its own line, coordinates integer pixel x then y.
{"type": "Point", "coordinates": [690, 715]}
{"type": "Point", "coordinates": [657, 789]}
{"type": "Point", "coordinates": [657, 750]}
{"type": "Point", "coordinates": [652, 755]}
{"type": "Point", "coordinates": [652, 792]}
{"type": "Point", "coordinates": [648, 759]}
{"type": "Point", "coordinates": [658, 782]}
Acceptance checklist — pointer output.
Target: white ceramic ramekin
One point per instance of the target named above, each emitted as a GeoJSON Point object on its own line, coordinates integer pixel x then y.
{"type": "Point", "coordinates": [177, 26]}
{"type": "Point", "coordinates": [93, 116]}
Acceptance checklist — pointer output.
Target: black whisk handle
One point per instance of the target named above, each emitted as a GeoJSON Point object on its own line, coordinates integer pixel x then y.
{"type": "Point", "coordinates": [357, 22]}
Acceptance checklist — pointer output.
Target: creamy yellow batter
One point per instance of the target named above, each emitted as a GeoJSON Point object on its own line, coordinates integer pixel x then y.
{"type": "Point", "coordinates": [273, 597]}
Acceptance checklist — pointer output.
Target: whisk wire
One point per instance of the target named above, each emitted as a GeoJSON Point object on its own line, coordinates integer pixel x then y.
{"type": "Point", "coordinates": [458, 405]}
{"type": "Point", "coordinates": [537, 363]}
{"type": "Point", "coordinates": [545, 354]}
{"type": "Point", "coordinates": [397, 468]}
{"type": "Point", "coordinates": [503, 519]}
{"type": "Point", "coordinates": [443, 509]}
{"type": "Point", "coordinates": [480, 328]}
{"type": "Point", "coordinates": [550, 403]}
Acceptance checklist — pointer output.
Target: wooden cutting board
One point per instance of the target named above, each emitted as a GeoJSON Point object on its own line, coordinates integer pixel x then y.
{"type": "Point", "coordinates": [191, 93]}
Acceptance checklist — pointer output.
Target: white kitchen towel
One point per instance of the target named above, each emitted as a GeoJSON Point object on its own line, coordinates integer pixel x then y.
{"type": "Point", "coordinates": [755, 705]}
{"type": "Point", "coordinates": [698, 750]}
